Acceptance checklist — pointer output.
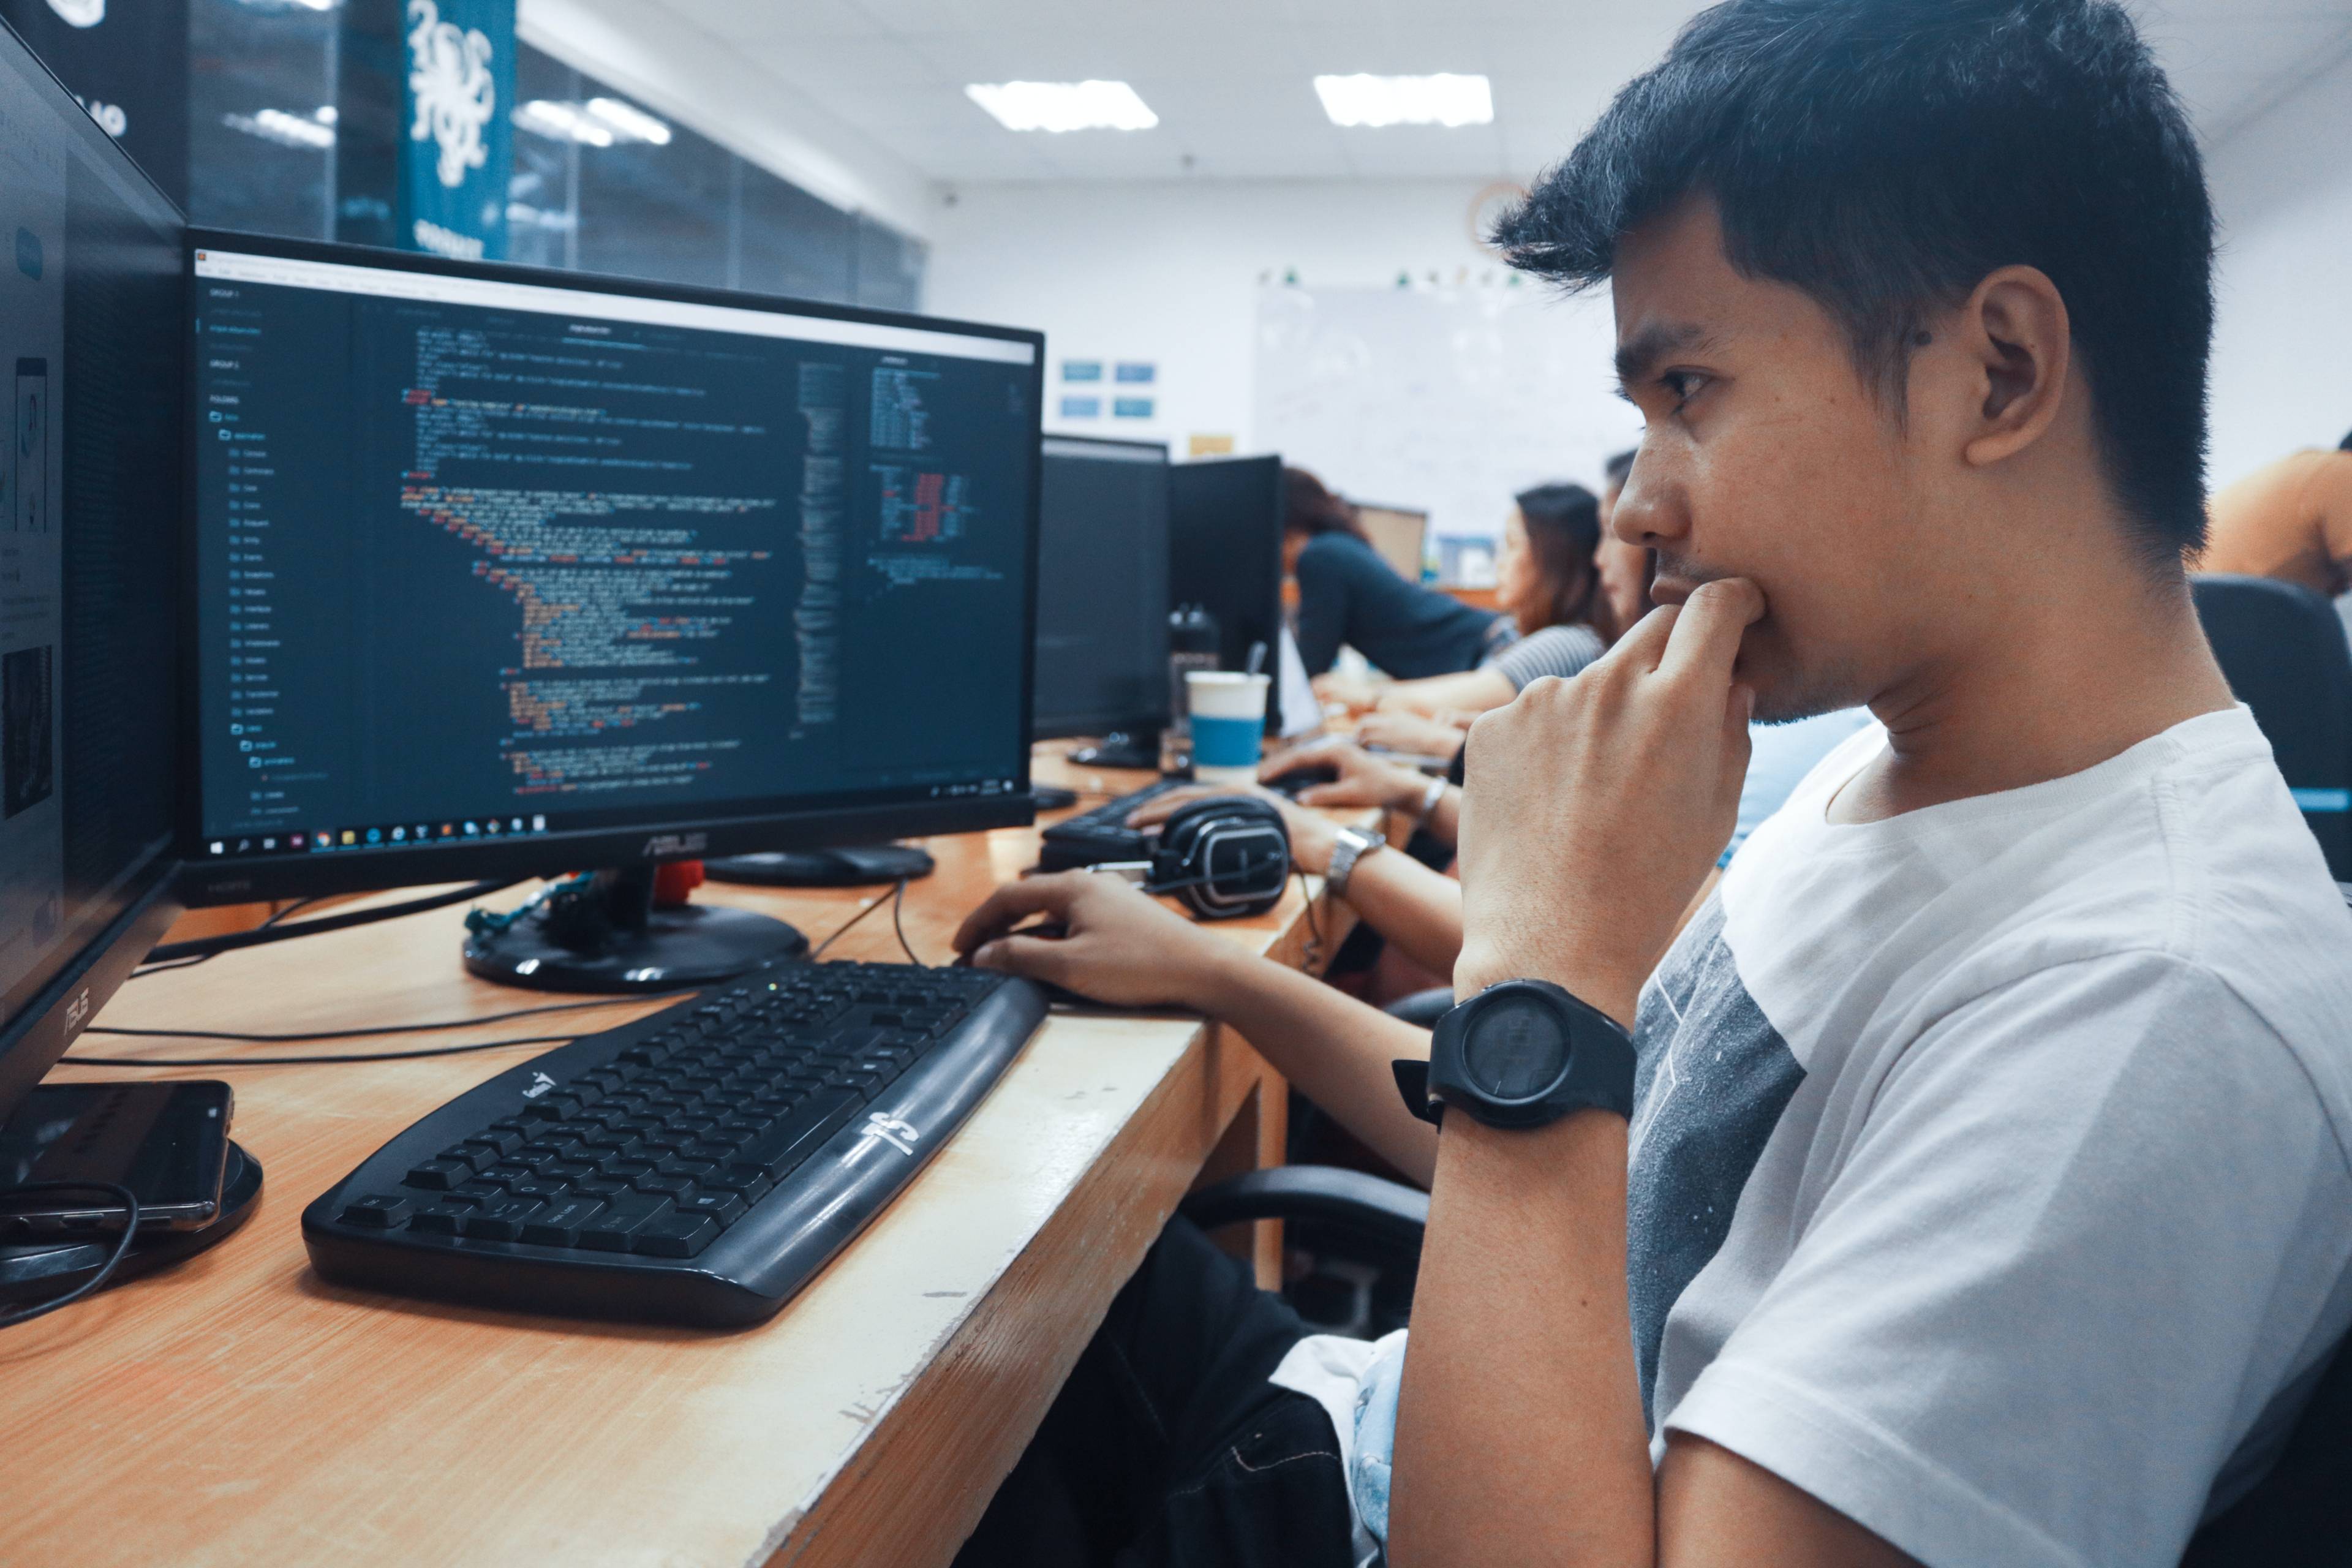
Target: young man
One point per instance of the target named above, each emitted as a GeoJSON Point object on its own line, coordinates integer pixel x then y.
{"type": "Point", "coordinates": [1983, 1196]}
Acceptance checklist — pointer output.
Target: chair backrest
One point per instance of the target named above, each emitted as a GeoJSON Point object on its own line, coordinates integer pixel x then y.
{"type": "Point", "coordinates": [2284, 654]}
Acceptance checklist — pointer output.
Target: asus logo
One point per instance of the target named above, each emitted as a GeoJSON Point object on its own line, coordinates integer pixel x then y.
{"type": "Point", "coordinates": [235, 885]}
{"type": "Point", "coordinates": [674, 844]}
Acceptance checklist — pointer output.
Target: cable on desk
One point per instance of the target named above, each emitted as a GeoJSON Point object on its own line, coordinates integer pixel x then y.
{"type": "Point", "coordinates": [296, 1039]}
{"type": "Point", "coordinates": [314, 1061]}
{"type": "Point", "coordinates": [152, 968]}
{"type": "Point", "coordinates": [898, 899]}
{"type": "Point", "coordinates": [843, 929]}
{"type": "Point", "coordinates": [122, 1195]}
{"type": "Point", "coordinates": [207, 947]}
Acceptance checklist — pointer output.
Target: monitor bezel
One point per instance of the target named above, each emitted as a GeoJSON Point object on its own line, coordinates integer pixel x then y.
{"type": "Point", "coordinates": [206, 880]}
{"type": "Point", "coordinates": [1067, 726]}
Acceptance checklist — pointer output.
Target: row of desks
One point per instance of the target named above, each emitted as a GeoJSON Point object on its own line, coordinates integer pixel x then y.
{"type": "Point", "coordinates": [239, 1410]}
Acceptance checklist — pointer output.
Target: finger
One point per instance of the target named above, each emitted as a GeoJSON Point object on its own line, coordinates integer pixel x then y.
{"type": "Point", "coordinates": [1033, 957]}
{"type": "Point", "coordinates": [1346, 794]}
{"type": "Point", "coordinates": [1704, 640]}
{"type": "Point", "coordinates": [1160, 807]}
{"type": "Point", "coordinates": [1015, 901]}
{"type": "Point", "coordinates": [1289, 757]}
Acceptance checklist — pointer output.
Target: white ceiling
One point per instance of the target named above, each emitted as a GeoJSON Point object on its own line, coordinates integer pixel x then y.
{"type": "Point", "coordinates": [1229, 78]}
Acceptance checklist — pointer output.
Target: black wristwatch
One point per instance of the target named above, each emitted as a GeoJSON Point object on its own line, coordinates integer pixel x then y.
{"type": "Point", "coordinates": [1523, 1053]}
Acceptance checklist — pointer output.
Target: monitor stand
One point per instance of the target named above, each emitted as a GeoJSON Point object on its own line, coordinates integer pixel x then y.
{"type": "Point", "coordinates": [858, 866]}
{"type": "Point", "coordinates": [1121, 749]}
{"type": "Point", "coordinates": [53, 1265]}
{"type": "Point", "coordinates": [609, 936]}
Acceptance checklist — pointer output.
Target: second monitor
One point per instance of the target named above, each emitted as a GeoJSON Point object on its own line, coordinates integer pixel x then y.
{"type": "Point", "coordinates": [1102, 595]}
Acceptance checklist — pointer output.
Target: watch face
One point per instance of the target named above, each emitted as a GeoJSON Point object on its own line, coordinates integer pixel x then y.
{"type": "Point", "coordinates": [1515, 1047]}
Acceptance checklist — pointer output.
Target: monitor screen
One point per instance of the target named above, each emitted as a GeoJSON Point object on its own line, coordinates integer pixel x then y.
{"type": "Point", "coordinates": [1102, 587]}
{"type": "Point", "coordinates": [92, 345]}
{"type": "Point", "coordinates": [1399, 533]}
{"type": "Point", "coordinates": [598, 569]}
{"type": "Point", "coordinates": [1224, 520]}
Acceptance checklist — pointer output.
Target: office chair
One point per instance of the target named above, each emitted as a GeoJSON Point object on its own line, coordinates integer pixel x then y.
{"type": "Point", "coordinates": [2284, 652]}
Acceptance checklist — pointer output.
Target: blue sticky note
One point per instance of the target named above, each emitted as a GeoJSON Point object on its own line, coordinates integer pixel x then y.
{"type": "Point", "coordinates": [1131, 408]}
{"type": "Point", "coordinates": [1082, 370]}
{"type": "Point", "coordinates": [1138, 371]}
{"type": "Point", "coordinates": [1082, 408]}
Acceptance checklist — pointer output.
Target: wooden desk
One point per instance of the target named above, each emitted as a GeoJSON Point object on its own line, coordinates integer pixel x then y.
{"type": "Point", "coordinates": [240, 1410]}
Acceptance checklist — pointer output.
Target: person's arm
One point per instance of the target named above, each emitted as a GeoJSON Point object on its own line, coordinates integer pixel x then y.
{"type": "Point", "coordinates": [1597, 809]}
{"type": "Point", "coordinates": [2330, 496]}
{"type": "Point", "coordinates": [1322, 621]}
{"type": "Point", "coordinates": [1122, 947]}
{"type": "Point", "coordinates": [1432, 697]}
{"type": "Point", "coordinates": [1413, 734]}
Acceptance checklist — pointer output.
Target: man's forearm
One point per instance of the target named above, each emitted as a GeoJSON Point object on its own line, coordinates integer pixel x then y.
{"type": "Point", "coordinates": [1336, 1050]}
{"type": "Point", "coordinates": [1520, 1435]}
{"type": "Point", "coordinates": [1417, 909]}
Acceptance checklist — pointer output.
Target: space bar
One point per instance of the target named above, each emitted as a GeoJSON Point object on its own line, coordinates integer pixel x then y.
{"type": "Point", "coordinates": [793, 1140]}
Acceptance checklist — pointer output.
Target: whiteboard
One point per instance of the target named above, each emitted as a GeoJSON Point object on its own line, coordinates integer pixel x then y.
{"type": "Point", "coordinates": [1446, 400]}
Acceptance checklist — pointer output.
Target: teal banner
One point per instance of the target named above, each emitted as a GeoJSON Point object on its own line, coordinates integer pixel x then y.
{"type": "Point", "coordinates": [459, 141]}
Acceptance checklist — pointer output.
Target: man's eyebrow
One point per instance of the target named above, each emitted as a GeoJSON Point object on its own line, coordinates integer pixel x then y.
{"type": "Point", "coordinates": [1651, 343]}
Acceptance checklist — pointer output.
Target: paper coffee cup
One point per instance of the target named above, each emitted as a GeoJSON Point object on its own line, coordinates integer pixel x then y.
{"type": "Point", "coordinates": [1228, 713]}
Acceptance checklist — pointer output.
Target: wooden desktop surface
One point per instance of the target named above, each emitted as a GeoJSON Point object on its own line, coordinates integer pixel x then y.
{"type": "Point", "coordinates": [240, 1410]}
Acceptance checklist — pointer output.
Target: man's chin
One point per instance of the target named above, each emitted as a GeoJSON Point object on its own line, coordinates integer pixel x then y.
{"type": "Point", "coordinates": [1786, 695]}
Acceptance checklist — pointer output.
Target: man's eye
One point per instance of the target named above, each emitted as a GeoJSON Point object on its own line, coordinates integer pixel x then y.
{"type": "Point", "coordinates": [1682, 384]}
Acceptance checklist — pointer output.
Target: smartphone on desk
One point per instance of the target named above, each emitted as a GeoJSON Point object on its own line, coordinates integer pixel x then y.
{"type": "Point", "coordinates": [168, 1142]}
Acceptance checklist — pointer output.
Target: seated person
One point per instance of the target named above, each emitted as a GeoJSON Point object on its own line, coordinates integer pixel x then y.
{"type": "Point", "coordinates": [1546, 581]}
{"type": "Point", "coordinates": [1968, 1182]}
{"type": "Point", "coordinates": [1347, 594]}
{"type": "Point", "coordinates": [2291, 520]}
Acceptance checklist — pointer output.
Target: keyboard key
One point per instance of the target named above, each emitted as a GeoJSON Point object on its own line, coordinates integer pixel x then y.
{"type": "Point", "coordinates": [610, 1230]}
{"type": "Point", "coordinates": [438, 1175]}
{"type": "Point", "coordinates": [502, 1220]}
{"type": "Point", "coordinates": [721, 1204]}
{"type": "Point", "coordinates": [791, 1140]}
{"type": "Point", "coordinates": [380, 1211]}
{"type": "Point", "coordinates": [558, 1224]}
{"type": "Point", "coordinates": [673, 1235]}
{"type": "Point", "coordinates": [441, 1218]}
{"type": "Point", "coordinates": [666, 1186]}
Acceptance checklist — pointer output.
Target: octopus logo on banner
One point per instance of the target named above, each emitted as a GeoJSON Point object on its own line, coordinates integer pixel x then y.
{"type": "Point", "coordinates": [453, 174]}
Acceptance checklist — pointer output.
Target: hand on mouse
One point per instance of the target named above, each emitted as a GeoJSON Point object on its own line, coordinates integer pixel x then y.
{"type": "Point", "coordinates": [1364, 779]}
{"type": "Point", "coordinates": [1118, 945]}
{"type": "Point", "coordinates": [1597, 805]}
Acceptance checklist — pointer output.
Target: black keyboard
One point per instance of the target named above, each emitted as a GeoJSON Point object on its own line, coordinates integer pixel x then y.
{"type": "Point", "coordinates": [696, 1166]}
{"type": "Point", "coordinates": [1100, 833]}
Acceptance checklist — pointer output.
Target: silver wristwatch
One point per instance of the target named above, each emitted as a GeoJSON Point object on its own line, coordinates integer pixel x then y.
{"type": "Point", "coordinates": [1428, 798]}
{"type": "Point", "coordinates": [1355, 843]}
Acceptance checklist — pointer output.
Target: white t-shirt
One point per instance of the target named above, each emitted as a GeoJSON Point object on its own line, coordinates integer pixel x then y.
{"type": "Point", "coordinates": [1989, 1175]}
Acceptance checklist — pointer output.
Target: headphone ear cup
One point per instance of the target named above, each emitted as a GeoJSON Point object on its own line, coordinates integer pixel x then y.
{"type": "Point", "coordinates": [1245, 878]}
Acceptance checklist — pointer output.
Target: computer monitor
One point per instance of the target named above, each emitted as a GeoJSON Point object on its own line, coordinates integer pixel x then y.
{"type": "Point", "coordinates": [1102, 588]}
{"type": "Point", "coordinates": [504, 572]}
{"type": "Point", "coordinates": [90, 495]}
{"type": "Point", "coordinates": [1399, 533]}
{"type": "Point", "coordinates": [1224, 520]}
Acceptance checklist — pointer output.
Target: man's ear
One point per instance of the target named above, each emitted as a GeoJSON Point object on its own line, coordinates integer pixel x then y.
{"type": "Point", "coordinates": [2015, 331]}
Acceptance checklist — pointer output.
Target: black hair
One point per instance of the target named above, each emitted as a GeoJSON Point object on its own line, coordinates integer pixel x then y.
{"type": "Point", "coordinates": [1563, 524]}
{"type": "Point", "coordinates": [2346, 443]}
{"type": "Point", "coordinates": [1885, 156]}
{"type": "Point", "coordinates": [1618, 467]}
{"type": "Point", "coordinates": [1309, 507]}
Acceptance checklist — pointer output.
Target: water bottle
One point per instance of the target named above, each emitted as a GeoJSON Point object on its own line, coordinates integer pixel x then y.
{"type": "Point", "coordinates": [1192, 642]}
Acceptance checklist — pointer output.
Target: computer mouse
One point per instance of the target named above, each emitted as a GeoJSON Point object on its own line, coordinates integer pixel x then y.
{"type": "Point", "coordinates": [1306, 775]}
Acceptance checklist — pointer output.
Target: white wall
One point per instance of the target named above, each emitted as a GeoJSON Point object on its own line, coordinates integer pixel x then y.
{"type": "Point", "coordinates": [2282, 337]}
{"type": "Point", "coordinates": [1170, 273]}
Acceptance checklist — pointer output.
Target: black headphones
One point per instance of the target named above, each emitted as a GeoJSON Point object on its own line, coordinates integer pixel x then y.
{"type": "Point", "coordinates": [1225, 858]}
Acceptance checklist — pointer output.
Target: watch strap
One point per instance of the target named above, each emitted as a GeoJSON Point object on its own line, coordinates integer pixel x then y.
{"type": "Point", "coordinates": [1411, 1075]}
{"type": "Point", "coordinates": [1353, 845]}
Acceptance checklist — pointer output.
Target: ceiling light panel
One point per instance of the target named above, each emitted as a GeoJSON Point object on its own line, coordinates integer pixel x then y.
{"type": "Point", "coordinates": [1442, 99]}
{"type": "Point", "coordinates": [1059, 106]}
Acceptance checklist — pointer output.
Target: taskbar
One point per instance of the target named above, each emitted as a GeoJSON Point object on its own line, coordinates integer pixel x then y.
{"type": "Point", "coordinates": [378, 835]}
